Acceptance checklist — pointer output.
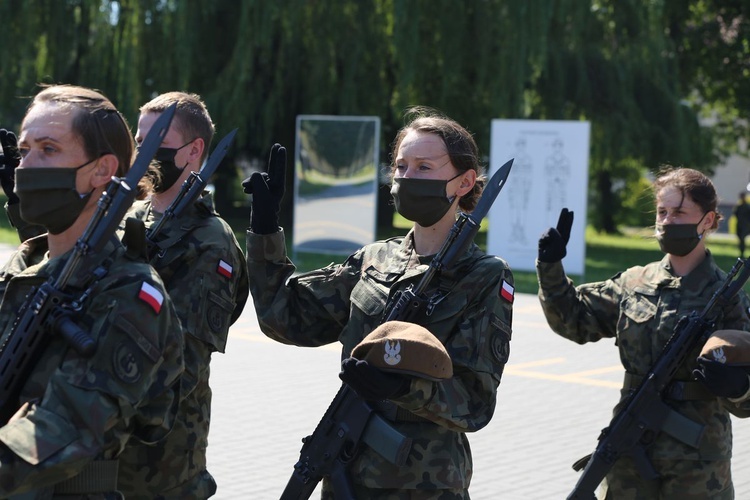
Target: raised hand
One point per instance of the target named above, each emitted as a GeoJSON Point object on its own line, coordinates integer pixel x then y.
{"type": "Point", "coordinates": [267, 189]}
{"type": "Point", "coordinates": [552, 244]}
{"type": "Point", "coordinates": [9, 160]}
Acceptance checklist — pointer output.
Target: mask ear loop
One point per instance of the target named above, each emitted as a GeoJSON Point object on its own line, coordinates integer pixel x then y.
{"type": "Point", "coordinates": [451, 199]}
{"type": "Point", "coordinates": [700, 236]}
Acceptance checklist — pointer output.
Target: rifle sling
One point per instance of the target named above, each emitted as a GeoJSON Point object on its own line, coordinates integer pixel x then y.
{"type": "Point", "coordinates": [99, 476]}
{"type": "Point", "coordinates": [167, 243]}
{"type": "Point", "coordinates": [677, 390]}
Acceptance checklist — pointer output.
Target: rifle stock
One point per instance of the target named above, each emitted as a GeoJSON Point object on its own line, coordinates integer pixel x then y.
{"type": "Point", "coordinates": [350, 420]}
{"type": "Point", "coordinates": [645, 413]}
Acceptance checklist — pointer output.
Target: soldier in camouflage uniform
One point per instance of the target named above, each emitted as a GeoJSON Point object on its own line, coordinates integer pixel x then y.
{"type": "Point", "coordinates": [204, 270]}
{"type": "Point", "coordinates": [75, 413]}
{"type": "Point", "coordinates": [435, 172]}
{"type": "Point", "coordinates": [639, 308]}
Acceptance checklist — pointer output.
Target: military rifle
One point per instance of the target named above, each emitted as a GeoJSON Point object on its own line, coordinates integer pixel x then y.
{"type": "Point", "coordinates": [645, 413]}
{"type": "Point", "coordinates": [350, 420]}
{"type": "Point", "coordinates": [50, 307]}
{"type": "Point", "coordinates": [189, 192]}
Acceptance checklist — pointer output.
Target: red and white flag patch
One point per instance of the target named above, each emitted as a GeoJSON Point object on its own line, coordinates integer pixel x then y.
{"type": "Point", "coordinates": [507, 291]}
{"type": "Point", "coordinates": [224, 268]}
{"type": "Point", "coordinates": [151, 296]}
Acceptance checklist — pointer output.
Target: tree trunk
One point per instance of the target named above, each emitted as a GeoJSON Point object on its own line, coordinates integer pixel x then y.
{"type": "Point", "coordinates": [607, 203]}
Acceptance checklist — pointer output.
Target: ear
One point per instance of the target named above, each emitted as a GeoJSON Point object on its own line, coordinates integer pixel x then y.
{"type": "Point", "coordinates": [467, 182]}
{"type": "Point", "coordinates": [106, 168]}
{"type": "Point", "coordinates": [709, 221]}
{"type": "Point", "coordinates": [196, 149]}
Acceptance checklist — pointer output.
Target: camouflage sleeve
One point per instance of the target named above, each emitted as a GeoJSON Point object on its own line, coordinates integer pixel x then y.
{"type": "Point", "coordinates": [206, 291]}
{"type": "Point", "coordinates": [479, 350]}
{"type": "Point", "coordinates": [92, 406]}
{"type": "Point", "coordinates": [586, 313]}
{"type": "Point", "coordinates": [308, 310]}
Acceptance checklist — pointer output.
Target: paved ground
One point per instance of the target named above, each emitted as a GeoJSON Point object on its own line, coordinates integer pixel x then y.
{"type": "Point", "coordinates": [554, 399]}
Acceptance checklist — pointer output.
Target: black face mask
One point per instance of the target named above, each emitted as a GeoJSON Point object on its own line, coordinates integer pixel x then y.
{"type": "Point", "coordinates": [423, 201]}
{"type": "Point", "coordinates": [169, 171]}
{"type": "Point", "coordinates": [48, 196]}
{"type": "Point", "coordinates": [678, 239]}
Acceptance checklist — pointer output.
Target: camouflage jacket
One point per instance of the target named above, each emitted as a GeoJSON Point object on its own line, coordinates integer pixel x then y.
{"type": "Point", "coordinates": [640, 308]}
{"type": "Point", "coordinates": [346, 302]}
{"type": "Point", "coordinates": [204, 271]}
{"type": "Point", "coordinates": [75, 409]}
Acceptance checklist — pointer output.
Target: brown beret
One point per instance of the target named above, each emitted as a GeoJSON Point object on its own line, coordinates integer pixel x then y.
{"type": "Point", "coordinates": [401, 347]}
{"type": "Point", "coordinates": [728, 346]}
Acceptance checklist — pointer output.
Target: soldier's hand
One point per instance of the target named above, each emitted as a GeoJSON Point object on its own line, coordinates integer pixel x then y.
{"type": "Point", "coordinates": [9, 160]}
{"type": "Point", "coordinates": [552, 244]}
{"type": "Point", "coordinates": [372, 383]}
{"type": "Point", "coordinates": [267, 189]}
{"type": "Point", "coordinates": [726, 381]}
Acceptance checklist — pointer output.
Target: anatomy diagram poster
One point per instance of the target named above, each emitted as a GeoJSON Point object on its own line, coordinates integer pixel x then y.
{"type": "Point", "coordinates": [550, 172]}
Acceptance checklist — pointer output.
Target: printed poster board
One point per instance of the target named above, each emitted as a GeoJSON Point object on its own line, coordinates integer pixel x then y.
{"type": "Point", "coordinates": [550, 171]}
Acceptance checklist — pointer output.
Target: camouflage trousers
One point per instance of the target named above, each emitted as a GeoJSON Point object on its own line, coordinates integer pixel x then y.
{"type": "Point", "coordinates": [362, 493]}
{"type": "Point", "coordinates": [679, 479]}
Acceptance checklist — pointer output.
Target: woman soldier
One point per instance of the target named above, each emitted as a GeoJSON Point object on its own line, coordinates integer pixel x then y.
{"type": "Point", "coordinates": [640, 308]}
{"type": "Point", "coordinates": [76, 411]}
{"type": "Point", "coordinates": [435, 172]}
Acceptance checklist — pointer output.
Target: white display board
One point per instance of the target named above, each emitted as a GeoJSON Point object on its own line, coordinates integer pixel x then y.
{"type": "Point", "coordinates": [550, 172]}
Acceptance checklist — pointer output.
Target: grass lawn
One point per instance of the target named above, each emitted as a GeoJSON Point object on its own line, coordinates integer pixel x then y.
{"type": "Point", "coordinates": [606, 255]}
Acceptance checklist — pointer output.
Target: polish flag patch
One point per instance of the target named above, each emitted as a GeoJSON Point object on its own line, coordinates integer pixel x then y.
{"type": "Point", "coordinates": [151, 296]}
{"type": "Point", "coordinates": [224, 268]}
{"type": "Point", "coordinates": [507, 291]}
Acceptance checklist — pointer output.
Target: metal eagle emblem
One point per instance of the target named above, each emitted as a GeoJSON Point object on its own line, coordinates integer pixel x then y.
{"type": "Point", "coordinates": [392, 354]}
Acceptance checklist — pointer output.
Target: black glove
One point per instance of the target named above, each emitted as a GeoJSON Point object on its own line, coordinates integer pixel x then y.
{"type": "Point", "coordinates": [726, 381]}
{"type": "Point", "coordinates": [267, 189]}
{"type": "Point", "coordinates": [553, 241]}
{"type": "Point", "coordinates": [9, 160]}
{"type": "Point", "coordinates": [372, 383]}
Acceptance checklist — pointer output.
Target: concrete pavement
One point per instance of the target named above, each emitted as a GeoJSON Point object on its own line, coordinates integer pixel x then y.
{"type": "Point", "coordinates": [554, 399]}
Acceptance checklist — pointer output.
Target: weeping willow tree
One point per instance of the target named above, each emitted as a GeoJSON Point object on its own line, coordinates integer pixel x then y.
{"type": "Point", "coordinates": [614, 64]}
{"type": "Point", "coordinates": [94, 43]}
{"type": "Point", "coordinates": [642, 72]}
{"type": "Point", "coordinates": [475, 62]}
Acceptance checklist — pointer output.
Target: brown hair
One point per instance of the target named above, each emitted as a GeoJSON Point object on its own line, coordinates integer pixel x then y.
{"type": "Point", "coordinates": [191, 118]}
{"type": "Point", "coordinates": [462, 149]}
{"type": "Point", "coordinates": [693, 184]}
{"type": "Point", "coordinates": [101, 127]}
